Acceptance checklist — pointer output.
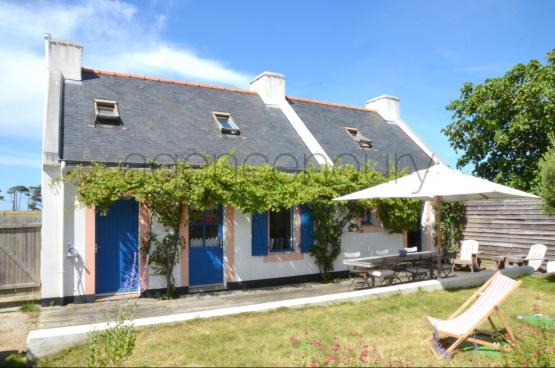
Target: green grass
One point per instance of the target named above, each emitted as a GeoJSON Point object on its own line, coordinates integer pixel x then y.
{"type": "Point", "coordinates": [394, 329]}
{"type": "Point", "coordinates": [29, 307]}
{"type": "Point", "coordinates": [13, 360]}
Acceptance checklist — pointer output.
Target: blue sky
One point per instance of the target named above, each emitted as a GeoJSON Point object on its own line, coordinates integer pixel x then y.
{"type": "Point", "coordinates": [337, 51]}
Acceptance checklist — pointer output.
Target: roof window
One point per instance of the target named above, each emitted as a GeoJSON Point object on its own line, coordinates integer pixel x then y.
{"type": "Point", "coordinates": [362, 141]}
{"type": "Point", "coordinates": [226, 123]}
{"type": "Point", "coordinates": [106, 112]}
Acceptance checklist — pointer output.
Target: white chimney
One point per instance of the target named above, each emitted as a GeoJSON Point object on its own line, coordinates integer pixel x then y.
{"type": "Point", "coordinates": [64, 57]}
{"type": "Point", "coordinates": [386, 106]}
{"type": "Point", "coordinates": [270, 87]}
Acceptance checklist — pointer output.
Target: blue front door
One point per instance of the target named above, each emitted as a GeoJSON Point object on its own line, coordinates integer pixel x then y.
{"type": "Point", "coordinates": [117, 248]}
{"type": "Point", "coordinates": [206, 266]}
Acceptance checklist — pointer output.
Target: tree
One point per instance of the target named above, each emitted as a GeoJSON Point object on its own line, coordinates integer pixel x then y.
{"type": "Point", "coordinates": [501, 126]}
{"type": "Point", "coordinates": [1, 196]}
{"type": "Point", "coordinates": [547, 179]}
{"type": "Point", "coordinates": [35, 198]}
{"type": "Point", "coordinates": [16, 193]}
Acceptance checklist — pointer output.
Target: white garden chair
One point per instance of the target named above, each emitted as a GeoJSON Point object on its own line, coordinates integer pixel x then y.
{"type": "Point", "coordinates": [551, 268]}
{"type": "Point", "coordinates": [469, 249]}
{"type": "Point", "coordinates": [536, 256]}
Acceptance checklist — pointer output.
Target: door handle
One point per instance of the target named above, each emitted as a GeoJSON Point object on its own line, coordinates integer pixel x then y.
{"type": "Point", "coordinates": [96, 247]}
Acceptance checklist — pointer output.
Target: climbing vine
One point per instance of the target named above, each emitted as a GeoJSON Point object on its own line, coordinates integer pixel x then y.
{"type": "Point", "coordinates": [166, 189]}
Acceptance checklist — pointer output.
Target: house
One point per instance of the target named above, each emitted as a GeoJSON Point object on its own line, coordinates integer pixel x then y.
{"type": "Point", "coordinates": [99, 116]}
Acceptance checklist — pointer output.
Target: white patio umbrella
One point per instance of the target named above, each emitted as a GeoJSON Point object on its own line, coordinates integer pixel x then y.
{"type": "Point", "coordinates": [440, 184]}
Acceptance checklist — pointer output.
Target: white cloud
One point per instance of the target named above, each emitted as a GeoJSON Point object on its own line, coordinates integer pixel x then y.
{"type": "Point", "coordinates": [183, 63]}
{"type": "Point", "coordinates": [113, 38]}
{"type": "Point", "coordinates": [10, 157]}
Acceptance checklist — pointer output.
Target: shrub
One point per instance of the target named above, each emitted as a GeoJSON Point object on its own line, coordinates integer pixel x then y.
{"type": "Point", "coordinates": [535, 347]}
{"type": "Point", "coordinates": [113, 346]}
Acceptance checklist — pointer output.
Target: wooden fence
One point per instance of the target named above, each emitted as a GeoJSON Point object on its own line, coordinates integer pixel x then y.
{"type": "Point", "coordinates": [506, 227]}
{"type": "Point", "coordinates": [20, 243]}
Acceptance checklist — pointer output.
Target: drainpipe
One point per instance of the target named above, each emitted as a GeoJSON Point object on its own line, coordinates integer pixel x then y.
{"type": "Point", "coordinates": [61, 236]}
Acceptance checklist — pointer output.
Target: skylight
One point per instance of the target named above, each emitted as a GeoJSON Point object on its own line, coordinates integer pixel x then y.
{"type": "Point", "coordinates": [362, 141]}
{"type": "Point", "coordinates": [226, 123]}
{"type": "Point", "coordinates": [106, 112]}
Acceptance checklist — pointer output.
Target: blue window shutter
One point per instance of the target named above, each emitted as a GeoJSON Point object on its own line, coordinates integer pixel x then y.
{"type": "Point", "coordinates": [307, 229]}
{"type": "Point", "coordinates": [260, 234]}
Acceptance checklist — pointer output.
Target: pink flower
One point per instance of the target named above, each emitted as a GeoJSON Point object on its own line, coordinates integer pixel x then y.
{"type": "Point", "coordinates": [336, 346]}
{"type": "Point", "coordinates": [329, 359]}
{"type": "Point", "coordinates": [317, 343]}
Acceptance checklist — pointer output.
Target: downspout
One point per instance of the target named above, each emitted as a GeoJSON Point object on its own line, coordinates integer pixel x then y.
{"type": "Point", "coordinates": [61, 227]}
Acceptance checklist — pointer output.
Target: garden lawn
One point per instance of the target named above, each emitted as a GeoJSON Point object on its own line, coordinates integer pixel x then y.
{"type": "Point", "coordinates": [393, 329]}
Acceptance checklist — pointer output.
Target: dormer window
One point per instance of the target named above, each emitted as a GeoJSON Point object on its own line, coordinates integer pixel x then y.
{"type": "Point", "coordinates": [106, 112]}
{"type": "Point", "coordinates": [226, 124]}
{"type": "Point", "coordinates": [362, 141]}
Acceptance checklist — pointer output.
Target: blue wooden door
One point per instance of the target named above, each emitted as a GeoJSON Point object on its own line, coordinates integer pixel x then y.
{"type": "Point", "coordinates": [206, 266]}
{"type": "Point", "coordinates": [117, 248]}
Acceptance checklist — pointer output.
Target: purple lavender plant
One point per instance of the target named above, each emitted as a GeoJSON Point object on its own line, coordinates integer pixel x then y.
{"type": "Point", "coordinates": [438, 347]}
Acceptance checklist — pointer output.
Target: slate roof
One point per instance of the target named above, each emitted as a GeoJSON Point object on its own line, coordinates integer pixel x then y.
{"type": "Point", "coordinates": [164, 120]}
{"type": "Point", "coordinates": [327, 123]}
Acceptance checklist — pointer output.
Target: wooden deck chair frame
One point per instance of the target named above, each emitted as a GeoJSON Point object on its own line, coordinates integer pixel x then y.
{"type": "Point", "coordinates": [467, 337]}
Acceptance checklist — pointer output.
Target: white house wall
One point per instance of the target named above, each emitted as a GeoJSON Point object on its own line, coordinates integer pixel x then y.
{"type": "Point", "coordinates": [159, 282]}
{"type": "Point", "coordinates": [248, 267]}
{"type": "Point", "coordinates": [50, 234]}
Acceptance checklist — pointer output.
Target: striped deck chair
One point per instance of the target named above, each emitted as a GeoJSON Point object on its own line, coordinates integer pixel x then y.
{"type": "Point", "coordinates": [463, 324]}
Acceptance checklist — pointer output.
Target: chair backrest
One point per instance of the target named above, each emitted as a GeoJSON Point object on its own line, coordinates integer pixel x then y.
{"type": "Point", "coordinates": [551, 267]}
{"type": "Point", "coordinates": [499, 288]}
{"type": "Point", "coordinates": [468, 248]}
{"type": "Point", "coordinates": [382, 252]}
{"type": "Point", "coordinates": [536, 254]}
{"type": "Point", "coordinates": [351, 254]}
{"type": "Point", "coordinates": [411, 249]}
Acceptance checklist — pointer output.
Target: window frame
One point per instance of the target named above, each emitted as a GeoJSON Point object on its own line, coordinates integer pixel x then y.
{"type": "Point", "coordinates": [370, 214]}
{"type": "Point", "coordinates": [234, 131]}
{"type": "Point", "coordinates": [202, 224]}
{"type": "Point", "coordinates": [292, 233]}
{"type": "Point", "coordinates": [106, 120]}
{"type": "Point", "coordinates": [356, 135]}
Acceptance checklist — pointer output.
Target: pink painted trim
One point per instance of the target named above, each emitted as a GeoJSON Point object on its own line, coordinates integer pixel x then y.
{"type": "Point", "coordinates": [230, 244]}
{"type": "Point", "coordinates": [293, 256]}
{"type": "Point", "coordinates": [144, 234]}
{"type": "Point", "coordinates": [184, 236]}
{"type": "Point", "coordinates": [90, 251]}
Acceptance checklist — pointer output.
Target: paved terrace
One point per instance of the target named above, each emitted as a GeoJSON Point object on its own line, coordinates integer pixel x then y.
{"type": "Point", "coordinates": [105, 309]}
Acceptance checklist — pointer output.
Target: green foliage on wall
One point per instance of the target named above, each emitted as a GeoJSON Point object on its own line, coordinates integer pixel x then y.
{"type": "Point", "coordinates": [165, 190]}
{"type": "Point", "coordinates": [453, 222]}
{"type": "Point", "coordinates": [547, 179]}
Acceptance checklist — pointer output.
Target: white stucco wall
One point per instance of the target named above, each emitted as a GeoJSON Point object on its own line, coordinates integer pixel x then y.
{"type": "Point", "coordinates": [248, 267]}
{"type": "Point", "coordinates": [50, 234]}
{"type": "Point", "coordinates": [159, 282]}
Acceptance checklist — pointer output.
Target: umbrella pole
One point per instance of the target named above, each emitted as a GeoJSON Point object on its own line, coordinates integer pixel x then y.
{"type": "Point", "coordinates": [437, 201]}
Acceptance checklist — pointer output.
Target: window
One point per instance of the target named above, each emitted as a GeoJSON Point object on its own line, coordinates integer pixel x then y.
{"type": "Point", "coordinates": [362, 141]}
{"type": "Point", "coordinates": [106, 112]}
{"type": "Point", "coordinates": [369, 218]}
{"type": "Point", "coordinates": [205, 228]}
{"type": "Point", "coordinates": [281, 230]}
{"type": "Point", "coordinates": [226, 123]}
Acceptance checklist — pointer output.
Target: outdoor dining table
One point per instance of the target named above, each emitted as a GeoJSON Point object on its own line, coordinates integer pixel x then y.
{"type": "Point", "coordinates": [368, 263]}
